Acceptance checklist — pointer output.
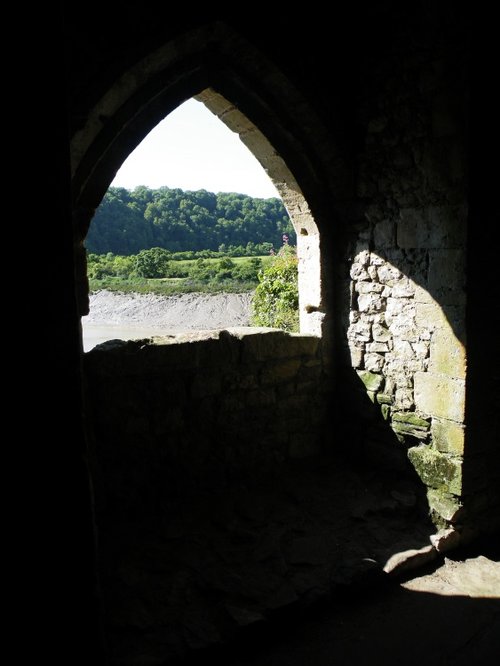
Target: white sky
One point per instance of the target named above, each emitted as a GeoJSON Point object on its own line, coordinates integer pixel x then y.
{"type": "Point", "coordinates": [193, 150]}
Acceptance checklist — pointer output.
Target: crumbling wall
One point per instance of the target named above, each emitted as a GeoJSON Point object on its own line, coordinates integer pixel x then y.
{"type": "Point", "coordinates": [187, 414]}
{"type": "Point", "coordinates": [404, 266]}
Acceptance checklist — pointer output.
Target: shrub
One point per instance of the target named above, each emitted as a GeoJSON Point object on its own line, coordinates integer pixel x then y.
{"type": "Point", "coordinates": [276, 299]}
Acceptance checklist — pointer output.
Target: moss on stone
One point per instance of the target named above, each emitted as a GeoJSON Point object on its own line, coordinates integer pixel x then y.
{"type": "Point", "coordinates": [437, 470]}
{"type": "Point", "coordinates": [371, 380]}
{"type": "Point", "coordinates": [384, 399]}
{"type": "Point", "coordinates": [411, 419]}
{"type": "Point", "coordinates": [443, 504]}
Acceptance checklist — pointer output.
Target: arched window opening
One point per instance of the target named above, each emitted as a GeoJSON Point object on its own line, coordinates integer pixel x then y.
{"type": "Point", "coordinates": [186, 232]}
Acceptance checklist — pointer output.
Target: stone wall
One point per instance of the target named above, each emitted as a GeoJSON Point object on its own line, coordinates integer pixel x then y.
{"type": "Point", "coordinates": [405, 292]}
{"type": "Point", "coordinates": [201, 412]}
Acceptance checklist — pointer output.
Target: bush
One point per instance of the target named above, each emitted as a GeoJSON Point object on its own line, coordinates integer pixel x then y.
{"type": "Point", "coordinates": [276, 299]}
{"type": "Point", "coordinates": [153, 263]}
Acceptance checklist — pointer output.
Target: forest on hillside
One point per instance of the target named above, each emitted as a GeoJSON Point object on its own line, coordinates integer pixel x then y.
{"type": "Point", "coordinates": [128, 221]}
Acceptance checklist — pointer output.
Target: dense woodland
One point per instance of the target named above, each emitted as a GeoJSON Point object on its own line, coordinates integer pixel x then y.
{"type": "Point", "coordinates": [128, 221]}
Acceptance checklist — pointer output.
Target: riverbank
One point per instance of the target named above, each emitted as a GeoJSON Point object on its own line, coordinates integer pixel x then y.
{"type": "Point", "coordinates": [128, 316]}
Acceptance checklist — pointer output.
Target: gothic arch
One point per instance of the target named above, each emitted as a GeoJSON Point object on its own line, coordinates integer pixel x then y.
{"type": "Point", "coordinates": [253, 98]}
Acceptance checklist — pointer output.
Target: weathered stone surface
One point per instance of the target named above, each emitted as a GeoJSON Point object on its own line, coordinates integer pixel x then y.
{"type": "Point", "coordinates": [381, 333]}
{"type": "Point", "coordinates": [409, 559]}
{"type": "Point", "coordinates": [412, 228]}
{"type": "Point", "coordinates": [444, 504]}
{"type": "Point", "coordinates": [421, 349]}
{"type": "Point", "coordinates": [402, 349]}
{"type": "Point", "coordinates": [447, 226]}
{"type": "Point", "coordinates": [370, 303]}
{"type": "Point", "coordinates": [445, 540]}
{"type": "Point", "coordinates": [408, 423]}
{"type": "Point", "coordinates": [388, 274]}
{"type": "Point", "coordinates": [447, 354]}
{"type": "Point", "coordinates": [403, 288]}
{"type": "Point", "coordinates": [384, 233]}
{"type": "Point", "coordinates": [359, 272]}
{"type": "Point", "coordinates": [437, 470]}
{"type": "Point", "coordinates": [374, 362]}
{"type": "Point", "coordinates": [447, 275]}
{"type": "Point", "coordinates": [368, 287]}
{"type": "Point", "coordinates": [410, 418]}
{"type": "Point", "coordinates": [448, 436]}
{"type": "Point", "coordinates": [403, 398]}
{"type": "Point", "coordinates": [440, 396]}
{"type": "Point", "coordinates": [360, 331]}
{"type": "Point", "coordinates": [357, 355]}
{"type": "Point", "coordinates": [280, 371]}
{"type": "Point", "coordinates": [377, 347]}
{"type": "Point", "coordinates": [371, 380]}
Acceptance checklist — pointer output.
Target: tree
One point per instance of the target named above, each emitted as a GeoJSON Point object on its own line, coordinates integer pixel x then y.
{"type": "Point", "coordinates": [129, 221]}
{"type": "Point", "coordinates": [153, 263]}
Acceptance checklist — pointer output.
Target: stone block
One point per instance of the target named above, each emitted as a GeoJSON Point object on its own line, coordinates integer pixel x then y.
{"type": "Point", "coordinates": [358, 272]}
{"type": "Point", "coordinates": [377, 347]}
{"type": "Point", "coordinates": [388, 274]}
{"type": "Point", "coordinates": [357, 355]}
{"type": "Point", "coordinates": [371, 380]}
{"type": "Point", "coordinates": [404, 398]}
{"type": "Point", "coordinates": [383, 234]}
{"type": "Point", "coordinates": [369, 287]}
{"type": "Point", "coordinates": [439, 395]}
{"type": "Point", "coordinates": [360, 331]}
{"type": "Point", "coordinates": [445, 505]}
{"type": "Point", "coordinates": [380, 333]}
{"type": "Point", "coordinates": [447, 226]}
{"type": "Point", "coordinates": [280, 371]}
{"type": "Point", "coordinates": [402, 349]}
{"type": "Point", "coordinates": [437, 470]}
{"type": "Point", "coordinates": [423, 296]}
{"type": "Point", "coordinates": [412, 228]}
{"type": "Point", "coordinates": [370, 303]}
{"type": "Point", "coordinates": [447, 276]}
{"type": "Point", "coordinates": [374, 362]}
{"type": "Point", "coordinates": [447, 354]}
{"type": "Point", "coordinates": [421, 349]}
{"type": "Point", "coordinates": [403, 288]}
{"type": "Point", "coordinates": [430, 315]}
{"type": "Point", "coordinates": [408, 423]}
{"type": "Point", "coordinates": [448, 436]}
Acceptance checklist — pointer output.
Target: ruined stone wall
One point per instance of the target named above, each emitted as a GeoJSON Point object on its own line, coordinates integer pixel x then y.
{"type": "Point", "coordinates": [189, 414]}
{"type": "Point", "coordinates": [404, 296]}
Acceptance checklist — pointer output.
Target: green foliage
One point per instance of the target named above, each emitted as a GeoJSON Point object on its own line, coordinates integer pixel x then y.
{"type": "Point", "coordinates": [135, 273]}
{"type": "Point", "coordinates": [127, 222]}
{"type": "Point", "coordinates": [276, 299]}
{"type": "Point", "coordinates": [153, 263]}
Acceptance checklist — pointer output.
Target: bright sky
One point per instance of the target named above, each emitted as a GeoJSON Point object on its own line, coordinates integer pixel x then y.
{"type": "Point", "coordinates": [193, 150]}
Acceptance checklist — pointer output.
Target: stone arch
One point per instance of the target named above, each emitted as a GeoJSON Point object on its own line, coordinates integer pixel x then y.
{"type": "Point", "coordinates": [247, 93]}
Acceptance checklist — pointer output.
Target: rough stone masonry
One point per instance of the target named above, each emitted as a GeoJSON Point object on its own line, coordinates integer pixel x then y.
{"type": "Point", "coordinates": [405, 349]}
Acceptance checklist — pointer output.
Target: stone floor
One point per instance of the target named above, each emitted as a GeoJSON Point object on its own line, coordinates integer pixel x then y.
{"type": "Point", "coordinates": [292, 574]}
